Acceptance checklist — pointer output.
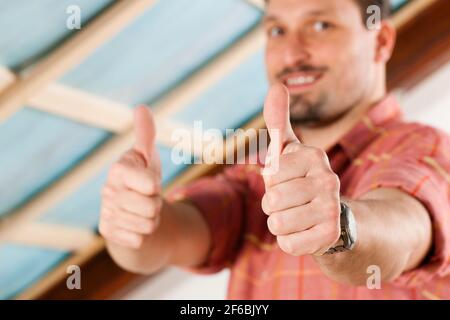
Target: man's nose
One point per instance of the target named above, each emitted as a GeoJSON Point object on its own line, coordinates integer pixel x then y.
{"type": "Point", "coordinates": [296, 51]}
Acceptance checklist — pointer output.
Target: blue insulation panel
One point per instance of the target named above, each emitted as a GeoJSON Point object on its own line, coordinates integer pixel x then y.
{"type": "Point", "coordinates": [226, 105]}
{"type": "Point", "coordinates": [21, 266]}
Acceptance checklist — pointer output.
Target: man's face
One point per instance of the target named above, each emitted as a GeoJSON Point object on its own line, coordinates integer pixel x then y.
{"type": "Point", "coordinates": [323, 53]}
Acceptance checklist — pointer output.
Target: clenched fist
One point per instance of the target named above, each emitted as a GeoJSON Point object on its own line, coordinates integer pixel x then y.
{"type": "Point", "coordinates": [302, 192]}
{"type": "Point", "coordinates": [131, 198]}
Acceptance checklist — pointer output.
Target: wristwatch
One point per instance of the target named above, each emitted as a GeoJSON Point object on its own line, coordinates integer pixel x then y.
{"type": "Point", "coordinates": [348, 236]}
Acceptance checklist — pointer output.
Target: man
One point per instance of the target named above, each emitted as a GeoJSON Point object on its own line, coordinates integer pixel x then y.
{"type": "Point", "coordinates": [358, 197]}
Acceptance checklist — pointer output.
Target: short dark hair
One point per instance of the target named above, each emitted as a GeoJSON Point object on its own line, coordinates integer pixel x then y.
{"type": "Point", "coordinates": [384, 5]}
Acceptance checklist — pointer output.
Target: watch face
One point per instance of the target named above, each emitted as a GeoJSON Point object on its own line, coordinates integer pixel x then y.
{"type": "Point", "coordinates": [348, 236]}
{"type": "Point", "coordinates": [351, 224]}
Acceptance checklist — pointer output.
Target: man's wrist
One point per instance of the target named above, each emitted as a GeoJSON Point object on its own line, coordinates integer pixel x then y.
{"type": "Point", "coordinates": [348, 236]}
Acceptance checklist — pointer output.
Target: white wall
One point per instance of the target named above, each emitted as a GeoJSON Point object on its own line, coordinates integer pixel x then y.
{"type": "Point", "coordinates": [180, 285]}
{"type": "Point", "coordinates": [428, 103]}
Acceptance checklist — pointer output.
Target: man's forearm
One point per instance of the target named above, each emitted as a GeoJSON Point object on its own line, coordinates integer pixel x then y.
{"type": "Point", "coordinates": [394, 233]}
{"type": "Point", "coordinates": [182, 239]}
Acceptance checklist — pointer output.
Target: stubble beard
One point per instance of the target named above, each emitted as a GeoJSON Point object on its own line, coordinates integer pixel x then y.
{"type": "Point", "coordinates": [305, 112]}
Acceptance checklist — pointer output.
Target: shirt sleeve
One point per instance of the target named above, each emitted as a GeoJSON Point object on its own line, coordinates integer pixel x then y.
{"type": "Point", "coordinates": [221, 201]}
{"type": "Point", "coordinates": [418, 164]}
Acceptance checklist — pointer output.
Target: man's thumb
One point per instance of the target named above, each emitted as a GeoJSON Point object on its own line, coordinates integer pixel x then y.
{"type": "Point", "coordinates": [145, 132]}
{"type": "Point", "coordinates": [276, 116]}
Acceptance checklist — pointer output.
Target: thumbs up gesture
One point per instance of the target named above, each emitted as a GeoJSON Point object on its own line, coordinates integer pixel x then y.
{"type": "Point", "coordinates": [302, 192]}
{"type": "Point", "coordinates": [131, 197]}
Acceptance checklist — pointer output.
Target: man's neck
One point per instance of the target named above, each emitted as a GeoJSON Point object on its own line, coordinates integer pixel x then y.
{"type": "Point", "coordinates": [326, 136]}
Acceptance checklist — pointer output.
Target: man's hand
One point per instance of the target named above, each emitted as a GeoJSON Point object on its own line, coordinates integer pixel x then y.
{"type": "Point", "coordinates": [131, 198]}
{"type": "Point", "coordinates": [302, 192]}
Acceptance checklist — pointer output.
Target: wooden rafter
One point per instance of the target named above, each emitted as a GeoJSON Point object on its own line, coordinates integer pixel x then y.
{"type": "Point", "coordinates": [76, 105]}
{"type": "Point", "coordinates": [257, 3]}
{"type": "Point", "coordinates": [420, 53]}
{"type": "Point", "coordinates": [90, 109]}
{"type": "Point", "coordinates": [83, 107]}
{"type": "Point", "coordinates": [52, 236]}
{"type": "Point", "coordinates": [410, 10]}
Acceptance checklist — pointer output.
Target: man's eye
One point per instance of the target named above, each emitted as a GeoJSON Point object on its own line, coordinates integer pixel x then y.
{"type": "Point", "coordinates": [275, 32]}
{"type": "Point", "coordinates": [321, 26]}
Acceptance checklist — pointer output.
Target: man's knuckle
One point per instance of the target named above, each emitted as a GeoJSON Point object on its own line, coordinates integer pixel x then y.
{"type": "Point", "coordinates": [150, 185]}
{"type": "Point", "coordinates": [147, 208]}
{"type": "Point", "coordinates": [327, 230]}
{"type": "Point", "coordinates": [287, 245]}
{"type": "Point", "coordinates": [275, 223]}
{"type": "Point", "coordinates": [331, 232]}
{"type": "Point", "coordinates": [138, 241]}
{"type": "Point", "coordinates": [269, 179]}
{"type": "Point", "coordinates": [108, 193]}
{"type": "Point", "coordinates": [107, 215]}
{"type": "Point", "coordinates": [317, 154]}
{"type": "Point", "coordinates": [156, 206]}
{"type": "Point", "coordinates": [273, 197]}
{"type": "Point", "coordinates": [265, 205]}
{"type": "Point", "coordinates": [117, 170]}
{"type": "Point", "coordinates": [330, 181]}
{"type": "Point", "coordinates": [335, 234]}
{"type": "Point", "coordinates": [332, 209]}
{"type": "Point", "coordinates": [104, 229]}
{"type": "Point", "coordinates": [147, 226]}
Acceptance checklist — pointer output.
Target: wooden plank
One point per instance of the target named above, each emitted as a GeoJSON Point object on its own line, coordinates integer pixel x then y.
{"type": "Point", "coordinates": [83, 107]}
{"type": "Point", "coordinates": [423, 45]}
{"type": "Point", "coordinates": [259, 4]}
{"type": "Point", "coordinates": [409, 11]}
{"type": "Point", "coordinates": [70, 53]}
{"type": "Point", "coordinates": [90, 109]}
{"type": "Point", "coordinates": [49, 236]}
{"type": "Point", "coordinates": [6, 78]}
{"type": "Point", "coordinates": [75, 104]}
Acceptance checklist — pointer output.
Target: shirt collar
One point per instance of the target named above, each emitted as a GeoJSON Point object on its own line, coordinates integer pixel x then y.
{"type": "Point", "coordinates": [371, 125]}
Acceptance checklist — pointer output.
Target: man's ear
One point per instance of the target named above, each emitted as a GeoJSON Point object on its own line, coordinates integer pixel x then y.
{"type": "Point", "coordinates": [385, 41]}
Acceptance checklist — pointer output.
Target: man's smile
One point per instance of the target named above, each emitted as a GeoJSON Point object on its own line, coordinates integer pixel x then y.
{"type": "Point", "coordinates": [298, 82]}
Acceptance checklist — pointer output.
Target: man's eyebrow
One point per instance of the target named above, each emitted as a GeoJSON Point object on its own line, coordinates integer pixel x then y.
{"type": "Point", "coordinates": [318, 12]}
{"type": "Point", "coordinates": [269, 18]}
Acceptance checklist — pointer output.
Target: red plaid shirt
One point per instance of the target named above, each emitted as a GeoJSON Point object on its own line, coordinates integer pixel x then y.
{"type": "Point", "coordinates": [380, 151]}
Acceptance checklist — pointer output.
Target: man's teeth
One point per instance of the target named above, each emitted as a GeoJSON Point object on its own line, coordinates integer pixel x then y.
{"type": "Point", "coordinates": [300, 80]}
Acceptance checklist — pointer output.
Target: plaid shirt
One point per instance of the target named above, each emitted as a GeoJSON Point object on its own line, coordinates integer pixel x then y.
{"type": "Point", "coordinates": [380, 151]}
